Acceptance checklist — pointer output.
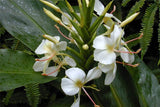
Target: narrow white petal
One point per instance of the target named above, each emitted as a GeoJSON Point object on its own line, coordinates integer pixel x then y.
{"type": "Point", "coordinates": [76, 102]}
{"type": "Point", "coordinates": [65, 19]}
{"type": "Point", "coordinates": [69, 61]}
{"type": "Point", "coordinates": [106, 68]}
{"type": "Point", "coordinates": [61, 46]}
{"type": "Point", "coordinates": [57, 38]}
{"type": "Point", "coordinates": [100, 42]}
{"type": "Point", "coordinates": [98, 7]}
{"type": "Point", "coordinates": [69, 87]}
{"type": "Point", "coordinates": [117, 33]}
{"type": "Point", "coordinates": [127, 57]}
{"type": "Point", "coordinates": [108, 15]}
{"type": "Point", "coordinates": [93, 74]}
{"type": "Point", "coordinates": [52, 69]}
{"type": "Point", "coordinates": [39, 65]}
{"type": "Point", "coordinates": [104, 56]}
{"type": "Point", "coordinates": [110, 75]}
{"type": "Point", "coordinates": [40, 49]}
{"type": "Point", "coordinates": [76, 74]}
{"type": "Point", "coordinates": [116, 19]}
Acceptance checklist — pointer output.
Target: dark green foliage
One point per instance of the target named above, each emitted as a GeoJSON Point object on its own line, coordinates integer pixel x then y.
{"type": "Point", "coordinates": [8, 96]}
{"type": "Point", "coordinates": [159, 31]}
{"type": "Point", "coordinates": [147, 27]}
{"type": "Point", "coordinates": [33, 94]}
{"type": "Point", "coordinates": [136, 8]}
{"type": "Point", "coordinates": [124, 2]}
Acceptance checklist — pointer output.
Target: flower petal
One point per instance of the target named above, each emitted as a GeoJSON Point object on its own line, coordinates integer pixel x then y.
{"type": "Point", "coordinates": [69, 61]}
{"type": "Point", "coordinates": [106, 68]}
{"type": "Point", "coordinates": [52, 69]}
{"type": "Point", "coordinates": [76, 102]}
{"type": "Point", "coordinates": [98, 7]}
{"type": "Point", "coordinates": [76, 74]}
{"type": "Point", "coordinates": [117, 34]}
{"type": "Point", "coordinates": [40, 49]}
{"type": "Point", "coordinates": [127, 57]}
{"type": "Point", "coordinates": [69, 87]}
{"type": "Point", "coordinates": [93, 74]}
{"type": "Point", "coordinates": [39, 65]}
{"type": "Point", "coordinates": [110, 76]}
{"type": "Point", "coordinates": [104, 56]}
{"type": "Point", "coordinates": [61, 46]}
{"type": "Point", "coordinates": [65, 19]}
{"type": "Point", "coordinates": [100, 42]}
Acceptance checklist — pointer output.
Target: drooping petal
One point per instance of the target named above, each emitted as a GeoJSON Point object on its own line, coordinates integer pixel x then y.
{"type": "Point", "coordinates": [69, 61]}
{"type": "Point", "coordinates": [61, 46]}
{"type": "Point", "coordinates": [50, 70]}
{"type": "Point", "coordinates": [39, 65]}
{"type": "Point", "coordinates": [76, 74]}
{"type": "Point", "coordinates": [117, 34]}
{"type": "Point", "coordinates": [100, 42]}
{"type": "Point", "coordinates": [127, 57]}
{"type": "Point", "coordinates": [110, 76]}
{"type": "Point", "coordinates": [65, 19]}
{"type": "Point", "coordinates": [69, 87]}
{"type": "Point", "coordinates": [106, 68]}
{"type": "Point", "coordinates": [98, 7]}
{"type": "Point", "coordinates": [76, 102]}
{"type": "Point", "coordinates": [104, 57]}
{"type": "Point", "coordinates": [40, 49]}
{"type": "Point", "coordinates": [94, 73]}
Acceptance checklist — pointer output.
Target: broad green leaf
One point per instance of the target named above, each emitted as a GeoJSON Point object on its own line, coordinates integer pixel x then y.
{"type": "Point", "coordinates": [120, 93]}
{"type": "Point", "coordinates": [147, 85]}
{"type": "Point", "coordinates": [16, 70]}
{"type": "Point", "coordinates": [26, 21]}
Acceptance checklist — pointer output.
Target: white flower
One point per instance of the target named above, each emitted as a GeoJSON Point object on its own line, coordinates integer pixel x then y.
{"type": "Point", "coordinates": [105, 46]}
{"type": "Point", "coordinates": [110, 71]}
{"type": "Point", "coordinates": [50, 50]}
{"type": "Point", "coordinates": [76, 80]}
{"type": "Point", "coordinates": [99, 7]}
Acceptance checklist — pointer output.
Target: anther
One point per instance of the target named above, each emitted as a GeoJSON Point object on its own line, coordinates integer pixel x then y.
{"type": "Point", "coordinates": [44, 74]}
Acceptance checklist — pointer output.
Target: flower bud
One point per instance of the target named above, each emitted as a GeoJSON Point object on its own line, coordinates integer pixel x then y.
{"type": "Point", "coordinates": [52, 16]}
{"type": "Point", "coordinates": [50, 38]}
{"type": "Point", "coordinates": [129, 19]}
{"type": "Point", "coordinates": [85, 47]}
{"type": "Point", "coordinates": [51, 5]}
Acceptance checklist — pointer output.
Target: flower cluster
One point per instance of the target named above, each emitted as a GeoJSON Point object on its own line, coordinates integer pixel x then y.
{"type": "Point", "coordinates": [101, 49]}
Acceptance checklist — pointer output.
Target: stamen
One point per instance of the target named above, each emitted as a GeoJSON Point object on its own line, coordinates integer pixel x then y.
{"type": "Point", "coordinates": [135, 65]}
{"type": "Point", "coordinates": [46, 59]}
{"type": "Point", "coordinates": [62, 33]}
{"type": "Point", "coordinates": [128, 51]}
{"type": "Point", "coordinates": [135, 38]}
{"type": "Point", "coordinates": [95, 105]}
{"type": "Point", "coordinates": [54, 70]}
{"type": "Point", "coordinates": [114, 9]}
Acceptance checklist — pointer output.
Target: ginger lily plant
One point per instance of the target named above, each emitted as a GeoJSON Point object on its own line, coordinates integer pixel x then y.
{"type": "Point", "coordinates": [101, 49]}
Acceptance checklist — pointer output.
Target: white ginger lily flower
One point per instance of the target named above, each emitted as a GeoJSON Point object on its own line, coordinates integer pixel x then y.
{"type": "Point", "coordinates": [99, 7]}
{"type": "Point", "coordinates": [76, 80]}
{"type": "Point", "coordinates": [50, 50]}
{"type": "Point", "coordinates": [105, 46]}
{"type": "Point", "coordinates": [110, 71]}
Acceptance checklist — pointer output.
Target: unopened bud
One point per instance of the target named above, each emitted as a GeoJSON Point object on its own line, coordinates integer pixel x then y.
{"type": "Point", "coordinates": [52, 16]}
{"type": "Point", "coordinates": [85, 47]}
{"type": "Point", "coordinates": [69, 6]}
{"type": "Point", "coordinates": [50, 38]}
{"type": "Point", "coordinates": [51, 5]}
{"type": "Point", "coordinates": [128, 20]}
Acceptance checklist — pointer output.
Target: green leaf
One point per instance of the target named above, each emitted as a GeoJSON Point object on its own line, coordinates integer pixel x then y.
{"type": "Point", "coordinates": [146, 84]}
{"type": "Point", "coordinates": [159, 30]}
{"type": "Point", "coordinates": [16, 70]}
{"type": "Point", "coordinates": [147, 24]}
{"type": "Point", "coordinates": [33, 94]}
{"type": "Point", "coordinates": [26, 21]}
{"type": "Point", "coordinates": [136, 7]}
{"type": "Point", "coordinates": [124, 2]}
